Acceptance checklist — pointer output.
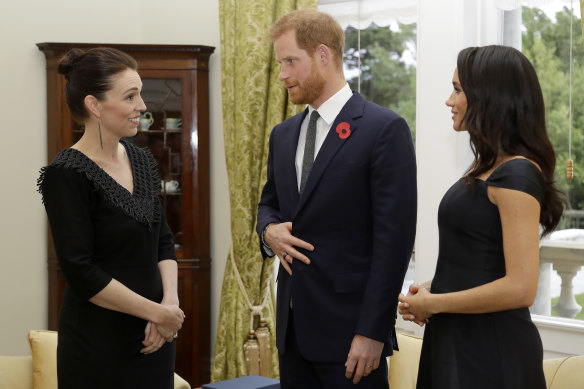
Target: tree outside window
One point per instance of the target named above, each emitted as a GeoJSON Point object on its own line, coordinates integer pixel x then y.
{"type": "Point", "coordinates": [546, 42]}
{"type": "Point", "coordinates": [386, 60]}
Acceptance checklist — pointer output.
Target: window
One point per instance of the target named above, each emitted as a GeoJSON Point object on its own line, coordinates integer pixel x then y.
{"type": "Point", "coordinates": [545, 40]}
{"type": "Point", "coordinates": [380, 51]}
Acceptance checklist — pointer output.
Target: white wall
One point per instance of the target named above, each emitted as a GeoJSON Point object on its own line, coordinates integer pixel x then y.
{"type": "Point", "coordinates": [436, 141]}
{"type": "Point", "coordinates": [23, 278]}
{"type": "Point", "coordinates": [444, 28]}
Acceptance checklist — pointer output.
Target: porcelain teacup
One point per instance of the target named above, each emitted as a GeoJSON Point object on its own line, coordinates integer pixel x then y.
{"type": "Point", "coordinates": [169, 186]}
{"type": "Point", "coordinates": [173, 123]}
{"type": "Point", "coordinates": [146, 121]}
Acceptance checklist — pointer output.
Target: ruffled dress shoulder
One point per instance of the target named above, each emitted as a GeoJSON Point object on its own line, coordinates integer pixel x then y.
{"type": "Point", "coordinates": [141, 205]}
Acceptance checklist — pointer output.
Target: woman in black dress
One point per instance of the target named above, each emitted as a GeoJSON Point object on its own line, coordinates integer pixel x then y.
{"type": "Point", "coordinates": [480, 334]}
{"type": "Point", "coordinates": [120, 310]}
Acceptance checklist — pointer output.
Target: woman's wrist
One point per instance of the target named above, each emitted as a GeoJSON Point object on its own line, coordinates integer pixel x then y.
{"type": "Point", "coordinates": [435, 302]}
{"type": "Point", "coordinates": [155, 313]}
{"type": "Point", "coordinates": [170, 299]}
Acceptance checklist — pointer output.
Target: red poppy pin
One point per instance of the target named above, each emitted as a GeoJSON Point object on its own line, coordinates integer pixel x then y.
{"type": "Point", "coordinates": [344, 130]}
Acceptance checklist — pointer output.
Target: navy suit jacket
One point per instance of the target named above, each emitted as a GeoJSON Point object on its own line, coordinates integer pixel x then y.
{"type": "Point", "coordinates": [358, 209]}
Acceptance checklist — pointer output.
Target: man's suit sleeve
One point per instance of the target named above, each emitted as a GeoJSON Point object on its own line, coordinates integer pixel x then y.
{"type": "Point", "coordinates": [268, 207]}
{"type": "Point", "coordinates": [394, 209]}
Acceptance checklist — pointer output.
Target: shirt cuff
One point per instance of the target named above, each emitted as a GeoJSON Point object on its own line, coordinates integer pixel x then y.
{"type": "Point", "coordinates": [267, 248]}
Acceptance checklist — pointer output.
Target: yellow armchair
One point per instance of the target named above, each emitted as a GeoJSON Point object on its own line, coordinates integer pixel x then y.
{"type": "Point", "coordinates": [39, 371]}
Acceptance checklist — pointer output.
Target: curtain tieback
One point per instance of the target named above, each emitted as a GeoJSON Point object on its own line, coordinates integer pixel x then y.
{"type": "Point", "coordinates": [256, 348]}
{"type": "Point", "coordinates": [256, 310]}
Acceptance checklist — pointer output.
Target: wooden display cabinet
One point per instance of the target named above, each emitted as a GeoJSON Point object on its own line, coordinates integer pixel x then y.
{"type": "Point", "coordinates": [175, 86]}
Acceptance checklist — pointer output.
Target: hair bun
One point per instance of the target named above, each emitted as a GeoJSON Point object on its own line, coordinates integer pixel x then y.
{"type": "Point", "coordinates": [68, 61]}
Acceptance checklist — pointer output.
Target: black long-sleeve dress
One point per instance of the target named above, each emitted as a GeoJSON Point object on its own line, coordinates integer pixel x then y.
{"type": "Point", "coordinates": [102, 231]}
{"type": "Point", "coordinates": [500, 350]}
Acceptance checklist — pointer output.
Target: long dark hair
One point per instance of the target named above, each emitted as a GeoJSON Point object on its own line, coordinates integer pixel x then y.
{"type": "Point", "coordinates": [506, 113]}
{"type": "Point", "coordinates": [90, 73]}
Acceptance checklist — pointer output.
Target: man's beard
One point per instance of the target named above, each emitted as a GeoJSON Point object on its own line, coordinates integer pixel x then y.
{"type": "Point", "coordinates": [310, 89]}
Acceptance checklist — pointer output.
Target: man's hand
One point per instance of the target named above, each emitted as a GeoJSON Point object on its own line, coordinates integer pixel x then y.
{"type": "Point", "coordinates": [280, 239]}
{"type": "Point", "coordinates": [363, 357]}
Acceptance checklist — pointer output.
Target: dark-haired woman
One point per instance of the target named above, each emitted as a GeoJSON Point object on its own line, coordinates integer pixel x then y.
{"type": "Point", "coordinates": [479, 332]}
{"type": "Point", "coordinates": [120, 311]}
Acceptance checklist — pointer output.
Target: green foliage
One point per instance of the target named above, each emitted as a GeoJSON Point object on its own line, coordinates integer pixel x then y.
{"type": "Point", "coordinates": [386, 78]}
{"type": "Point", "coordinates": [547, 45]}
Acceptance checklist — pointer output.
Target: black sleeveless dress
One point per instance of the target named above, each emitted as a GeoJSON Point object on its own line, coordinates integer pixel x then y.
{"type": "Point", "coordinates": [495, 350]}
{"type": "Point", "coordinates": [102, 231]}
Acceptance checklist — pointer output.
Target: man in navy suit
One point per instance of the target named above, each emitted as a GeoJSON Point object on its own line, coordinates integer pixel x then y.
{"type": "Point", "coordinates": [339, 210]}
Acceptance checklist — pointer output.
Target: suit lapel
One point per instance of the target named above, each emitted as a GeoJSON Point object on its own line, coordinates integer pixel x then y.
{"type": "Point", "coordinates": [352, 110]}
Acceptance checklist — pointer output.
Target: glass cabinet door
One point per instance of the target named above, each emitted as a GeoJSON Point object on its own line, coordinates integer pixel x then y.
{"type": "Point", "coordinates": [160, 130]}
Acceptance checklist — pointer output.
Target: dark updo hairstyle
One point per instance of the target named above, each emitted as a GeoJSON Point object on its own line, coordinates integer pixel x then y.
{"type": "Point", "coordinates": [89, 73]}
{"type": "Point", "coordinates": [505, 112]}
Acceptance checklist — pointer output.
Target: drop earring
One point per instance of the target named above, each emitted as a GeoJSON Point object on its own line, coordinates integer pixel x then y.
{"type": "Point", "coordinates": [99, 130]}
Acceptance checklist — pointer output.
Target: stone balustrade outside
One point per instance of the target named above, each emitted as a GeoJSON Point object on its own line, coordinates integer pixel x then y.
{"type": "Point", "coordinates": [564, 253]}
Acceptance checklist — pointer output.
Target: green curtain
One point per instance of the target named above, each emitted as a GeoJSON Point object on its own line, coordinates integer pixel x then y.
{"type": "Point", "coordinates": [253, 102]}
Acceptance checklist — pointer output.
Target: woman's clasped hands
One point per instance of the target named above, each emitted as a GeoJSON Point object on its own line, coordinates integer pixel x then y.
{"type": "Point", "coordinates": [417, 305]}
{"type": "Point", "coordinates": [165, 329]}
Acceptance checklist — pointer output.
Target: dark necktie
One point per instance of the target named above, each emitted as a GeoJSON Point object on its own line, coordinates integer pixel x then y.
{"type": "Point", "coordinates": [308, 158]}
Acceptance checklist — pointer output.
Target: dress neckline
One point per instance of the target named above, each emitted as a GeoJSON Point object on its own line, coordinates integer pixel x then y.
{"type": "Point", "coordinates": [504, 163]}
{"type": "Point", "coordinates": [106, 175]}
{"type": "Point", "coordinates": [142, 204]}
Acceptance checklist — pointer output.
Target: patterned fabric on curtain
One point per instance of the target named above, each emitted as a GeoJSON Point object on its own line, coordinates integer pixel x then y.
{"type": "Point", "coordinates": [253, 102]}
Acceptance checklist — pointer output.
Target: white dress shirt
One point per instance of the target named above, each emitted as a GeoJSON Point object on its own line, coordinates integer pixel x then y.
{"type": "Point", "coordinates": [328, 111]}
